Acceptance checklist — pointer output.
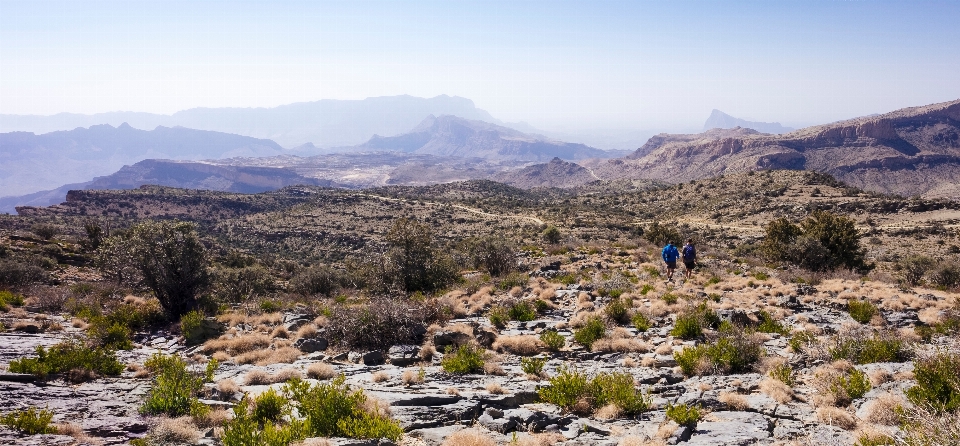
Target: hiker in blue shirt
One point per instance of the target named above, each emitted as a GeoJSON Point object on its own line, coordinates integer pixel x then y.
{"type": "Point", "coordinates": [670, 255]}
{"type": "Point", "coordinates": [689, 254]}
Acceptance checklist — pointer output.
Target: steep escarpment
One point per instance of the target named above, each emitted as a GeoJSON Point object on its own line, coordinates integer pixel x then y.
{"type": "Point", "coordinates": [913, 151]}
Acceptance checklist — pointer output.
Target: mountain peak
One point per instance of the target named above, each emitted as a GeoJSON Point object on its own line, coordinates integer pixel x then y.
{"type": "Point", "coordinates": [721, 120]}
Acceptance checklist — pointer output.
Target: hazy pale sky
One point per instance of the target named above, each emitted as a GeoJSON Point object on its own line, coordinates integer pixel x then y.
{"type": "Point", "coordinates": [584, 64]}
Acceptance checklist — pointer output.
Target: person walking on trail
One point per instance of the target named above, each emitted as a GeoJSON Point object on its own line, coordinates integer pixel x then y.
{"type": "Point", "coordinates": [670, 255]}
{"type": "Point", "coordinates": [689, 254]}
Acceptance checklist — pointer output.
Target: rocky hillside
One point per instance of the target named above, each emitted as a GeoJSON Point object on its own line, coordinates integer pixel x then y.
{"type": "Point", "coordinates": [721, 120]}
{"type": "Point", "coordinates": [556, 173]}
{"type": "Point", "coordinates": [454, 136]}
{"type": "Point", "coordinates": [913, 151]}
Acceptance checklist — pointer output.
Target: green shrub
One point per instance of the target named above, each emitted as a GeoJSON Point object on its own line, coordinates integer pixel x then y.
{"type": "Point", "coordinates": [413, 261]}
{"type": "Point", "coordinates": [646, 288]}
{"type": "Point", "coordinates": [553, 340]}
{"type": "Point", "coordinates": [768, 325]}
{"type": "Point", "coordinates": [270, 407]}
{"type": "Point", "coordinates": [862, 310]}
{"type": "Point", "coordinates": [315, 280]}
{"type": "Point", "coordinates": [759, 275]}
{"type": "Point", "coordinates": [823, 241]}
{"type": "Point", "coordinates": [499, 316]}
{"type": "Point", "coordinates": [683, 414]}
{"type": "Point", "coordinates": [532, 366]}
{"type": "Point", "coordinates": [513, 280]}
{"type": "Point", "coordinates": [801, 340]}
{"type": "Point", "coordinates": [913, 268]}
{"type": "Point", "coordinates": [332, 409]}
{"type": "Point", "coordinates": [495, 255]}
{"type": "Point", "coordinates": [733, 352]}
{"type": "Point", "coordinates": [175, 387]}
{"type": "Point", "coordinates": [861, 347]}
{"type": "Point", "coordinates": [571, 387]}
{"type": "Point", "coordinates": [551, 235]}
{"type": "Point", "coordinates": [659, 234]}
{"type": "Point", "coordinates": [849, 386]}
{"type": "Point", "coordinates": [670, 298]}
{"type": "Point", "coordinates": [592, 330]}
{"type": "Point", "coordinates": [783, 373]}
{"type": "Point", "coordinates": [113, 336]}
{"type": "Point", "coordinates": [191, 325]}
{"type": "Point", "coordinates": [867, 439]}
{"type": "Point", "coordinates": [618, 310]}
{"type": "Point", "coordinates": [938, 382]}
{"type": "Point", "coordinates": [66, 356]}
{"type": "Point", "coordinates": [30, 421]}
{"type": "Point", "coordinates": [463, 359]}
{"type": "Point", "coordinates": [713, 280]}
{"type": "Point", "coordinates": [690, 324]}
{"type": "Point", "coordinates": [522, 311]}
{"type": "Point", "coordinates": [8, 299]}
{"type": "Point", "coordinates": [245, 429]}
{"type": "Point", "coordinates": [640, 321]}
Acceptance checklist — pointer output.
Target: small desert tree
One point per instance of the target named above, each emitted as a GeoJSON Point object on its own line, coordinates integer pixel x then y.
{"type": "Point", "coordinates": [413, 262]}
{"type": "Point", "coordinates": [494, 254]}
{"type": "Point", "coordinates": [166, 257]}
{"type": "Point", "coordinates": [822, 241]}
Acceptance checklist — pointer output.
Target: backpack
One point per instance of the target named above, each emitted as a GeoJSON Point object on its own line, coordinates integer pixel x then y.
{"type": "Point", "coordinates": [689, 252]}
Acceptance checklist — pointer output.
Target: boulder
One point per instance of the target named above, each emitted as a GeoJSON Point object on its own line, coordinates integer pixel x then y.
{"type": "Point", "coordinates": [311, 345]}
{"type": "Point", "coordinates": [454, 338]}
{"type": "Point", "coordinates": [403, 355]}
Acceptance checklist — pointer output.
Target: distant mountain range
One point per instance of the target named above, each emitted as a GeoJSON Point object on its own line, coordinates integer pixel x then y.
{"type": "Point", "coordinates": [721, 120]}
{"type": "Point", "coordinates": [325, 123]}
{"type": "Point", "coordinates": [30, 162]}
{"type": "Point", "coordinates": [455, 136]}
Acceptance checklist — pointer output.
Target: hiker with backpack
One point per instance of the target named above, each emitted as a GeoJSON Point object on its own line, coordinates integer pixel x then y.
{"type": "Point", "coordinates": [689, 255]}
{"type": "Point", "coordinates": [670, 255]}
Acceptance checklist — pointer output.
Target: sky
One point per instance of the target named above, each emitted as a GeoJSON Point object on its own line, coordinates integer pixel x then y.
{"type": "Point", "coordinates": [554, 64]}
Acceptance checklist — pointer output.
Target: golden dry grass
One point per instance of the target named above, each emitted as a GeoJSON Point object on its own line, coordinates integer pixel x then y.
{"type": "Point", "coordinates": [380, 377]}
{"type": "Point", "coordinates": [883, 410]}
{"type": "Point", "coordinates": [544, 439]}
{"type": "Point", "coordinates": [608, 412]}
{"type": "Point", "coordinates": [733, 400]}
{"type": "Point", "coordinates": [838, 417]}
{"type": "Point", "coordinates": [777, 390]}
{"type": "Point", "coordinates": [494, 388]}
{"type": "Point", "coordinates": [469, 437]}
{"type": "Point", "coordinates": [621, 345]}
{"type": "Point", "coordinates": [227, 386]}
{"type": "Point", "coordinates": [523, 345]}
{"type": "Point", "coordinates": [320, 370]}
{"type": "Point", "coordinates": [175, 431]}
{"type": "Point", "coordinates": [411, 377]}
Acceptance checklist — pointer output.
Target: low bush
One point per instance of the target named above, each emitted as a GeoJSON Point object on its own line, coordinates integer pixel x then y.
{"type": "Point", "coordinates": [334, 410]}
{"type": "Point", "coordinates": [315, 280]}
{"type": "Point", "coordinates": [15, 274]}
{"type": "Point", "coordinates": [574, 391]}
{"type": "Point", "coordinates": [913, 268]}
{"type": "Point", "coordinates": [640, 321]}
{"type": "Point", "coordinates": [499, 316]}
{"type": "Point", "coordinates": [618, 310]}
{"type": "Point", "coordinates": [67, 356]}
{"type": "Point", "coordinates": [769, 325]}
{"type": "Point", "coordinates": [532, 366]}
{"type": "Point", "coordinates": [175, 387]}
{"type": "Point", "coordinates": [8, 299]}
{"type": "Point", "coordinates": [463, 359]}
{"type": "Point", "coordinates": [381, 323]}
{"type": "Point", "coordinates": [802, 340]}
{"type": "Point", "coordinates": [553, 340]}
{"type": "Point", "coordinates": [783, 373]}
{"type": "Point", "coordinates": [670, 298]}
{"type": "Point", "coordinates": [684, 414]}
{"type": "Point", "coordinates": [849, 386]}
{"type": "Point", "coordinates": [734, 351]}
{"type": "Point", "coordinates": [30, 421]}
{"type": "Point", "coordinates": [593, 329]}
{"type": "Point", "coordinates": [862, 311]}
{"type": "Point", "coordinates": [865, 347]}
{"type": "Point", "coordinates": [690, 324]}
{"type": "Point", "coordinates": [938, 382]}
{"type": "Point", "coordinates": [867, 439]}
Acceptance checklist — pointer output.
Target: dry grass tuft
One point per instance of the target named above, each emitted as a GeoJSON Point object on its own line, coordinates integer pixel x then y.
{"type": "Point", "coordinates": [544, 439]}
{"type": "Point", "coordinates": [452, 391]}
{"type": "Point", "coordinates": [411, 377]}
{"type": "Point", "coordinates": [213, 418]}
{"type": "Point", "coordinates": [621, 345]}
{"type": "Point", "coordinates": [524, 345]}
{"type": "Point", "coordinates": [884, 410]}
{"type": "Point", "coordinates": [648, 361]}
{"type": "Point", "coordinates": [777, 390]}
{"type": "Point", "coordinates": [75, 431]}
{"type": "Point", "coordinates": [608, 412]}
{"type": "Point", "coordinates": [320, 370]}
{"type": "Point", "coordinates": [306, 331]}
{"type": "Point", "coordinates": [733, 400]}
{"type": "Point", "coordinates": [286, 375]}
{"type": "Point", "coordinates": [469, 437]}
{"type": "Point", "coordinates": [227, 387]}
{"type": "Point", "coordinates": [427, 352]}
{"type": "Point", "coordinates": [380, 377]}
{"type": "Point", "coordinates": [640, 441]}
{"type": "Point", "coordinates": [838, 417]}
{"type": "Point", "coordinates": [880, 376]}
{"type": "Point", "coordinates": [175, 431]}
{"type": "Point", "coordinates": [257, 377]}
{"type": "Point", "coordinates": [495, 388]}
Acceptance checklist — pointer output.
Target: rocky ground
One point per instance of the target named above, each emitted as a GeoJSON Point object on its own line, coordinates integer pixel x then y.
{"type": "Point", "coordinates": [502, 403]}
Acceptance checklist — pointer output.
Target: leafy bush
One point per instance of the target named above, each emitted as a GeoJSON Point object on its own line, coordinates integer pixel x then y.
{"type": "Point", "coordinates": [864, 347]}
{"type": "Point", "coordinates": [862, 310]}
{"type": "Point", "coordinates": [270, 407]}
{"type": "Point", "coordinates": [693, 320]}
{"type": "Point", "coordinates": [734, 351]}
{"type": "Point", "coordinates": [618, 310]}
{"type": "Point", "coordinates": [532, 366]}
{"type": "Point", "coordinates": [30, 421]}
{"type": "Point", "coordinates": [670, 298]}
{"type": "Point", "coordinates": [522, 311]}
{"type": "Point", "coordinates": [413, 261]}
{"type": "Point", "coordinates": [571, 389]}
{"type": "Point", "coordinates": [866, 439]}
{"type": "Point", "coordinates": [683, 414]}
{"type": "Point", "coordinates": [8, 299]}
{"type": "Point", "coordinates": [592, 330]}
{"type": "Point", "coordinates": [463, 359]}
{"type": "Point", "coordinates": [849, 386]}
{"type": "Point", "coordinates": [938, 382]}
{"type": "Point", "coordinates": [332, 409]}
{"type": "Point", "coordinates": [113, 336]}
{"type": "Point", "coordinates": [66, 356]}
{"type": "Point", "coordinates": [640, 321]}
{"type": "Point", "coordinates": [551, 235]}
{"type": "Point", "coordinates": [646, 288]}
{"type": "Point", "coordinates": [175, 387]}
{"type": "Point", "coordinates": [315, 280]}
{"type": "Point", "coordinates": [15, 274]}
{"type": "Point", "coordinates": [245, 429]}
{"type": "Point", "coordinates": [495, 255]}
{"type": "Point", "coordinates": [191, 327]}
{"type": "Point", "coordinates": [801, 340]}
{"type": "Point", "coordinates": [382, 322]}
{"type": "Point", "coordinates": [913, 268]}
{"type": "Point", "coordinates": [499, 316]}
{"type": "Point", "coordinates": [245, 283]}
{"type": "Point", "coordinates": [947, 275]}
{"type": "Point", "coordinates": [783, 373]}
{"type": "Point", "coordinates": [823, 241]}
{"type": "Point", "coordinates": [659, 234]}
{"type": "Point", "coordinates": [768, 325]}
{"type": "Point", "coordinates": [553, 340]}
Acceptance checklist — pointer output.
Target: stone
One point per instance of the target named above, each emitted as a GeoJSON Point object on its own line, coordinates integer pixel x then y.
{"type": "Point", "coordinates": [501, 425]}
{"type": "Point", "coordinates": [731, 428]}
{"type": "Point", "coordinates": [375, 357]}
{"type": "Point", "coordinates": [403, 355]}
{"type": "Point", "coordinates": [311, 345]}
{"type": "Point", "coordinates": [453, 338]}
{"type": "Point", "coordinates": [485, 338]}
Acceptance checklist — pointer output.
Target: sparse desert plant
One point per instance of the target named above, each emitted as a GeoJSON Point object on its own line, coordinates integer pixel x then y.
{"type": "Point", "coordinates": [175, 387]}
{"type": "Point", "coordinates": [553, 340]}
{"type": "Point", "coordinates": [862, 311]}
{"type": "Point", "coordinates": [30, 421]}
{"type": "Point", "coordinates": [684, 414]}
{"type": "Point", "coordinates": [523, 345]}
{"type": "Point", "coordinates": [769, 325]}
{"type": "Point", "coordinates": [865, 347]}
{"type": "Point", "coordinates": [495, 255]}
{"type": "Point", "coordinates": [381, 323]}
{"type": "Point", "coordinates": [846, 386]}
{"type": "Point", "coordinates": [463, 359]}
{"type": "Point", "coordinates": [640, 321]}
{"type": "Point", "coordinates": [938, 382]}
{"type": "Point", "coordinates": [574, 391]}
{"type": "Point", "coordinates": [836, 416]}
{"type": "Point", "coordinates": [913, 268]}
{"type": "Point", "coordinates": [659, 234]}
{"type": "Point", "coordinates": [733, 351]}
{"type": "Point", "coordinates": [802, 340]}
{"type": "Point", "coordinates": [618, 310]}
{"type": "Point", "coordinates": [532, 366]}
{"type": "Point", "coordinates": [318, 279]}
{"type": "Point", "coordinates": [335, 410]}
{"type": "Point", "coordinates": [413, 261]}
{"type": "Point", "coordinates": [593, 329]}
{"type": "Point", "coordinates": [783, 373]}
{"type": "Point", "coordinates": [320, 370]}
{"type": "Point", "coordinates": [66, 356]}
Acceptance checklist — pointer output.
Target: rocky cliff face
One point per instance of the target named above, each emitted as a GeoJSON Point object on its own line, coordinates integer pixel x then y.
{"type": "Point", "coordinates": [913, 151]}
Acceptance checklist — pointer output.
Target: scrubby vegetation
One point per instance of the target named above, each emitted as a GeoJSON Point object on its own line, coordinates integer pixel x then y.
{"type": "Point", "coordinates": [30, 421]}
{"type": "Point", "coordinates": [574, 391]}
{"type": "Point", "coordinates": [67, 356]}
